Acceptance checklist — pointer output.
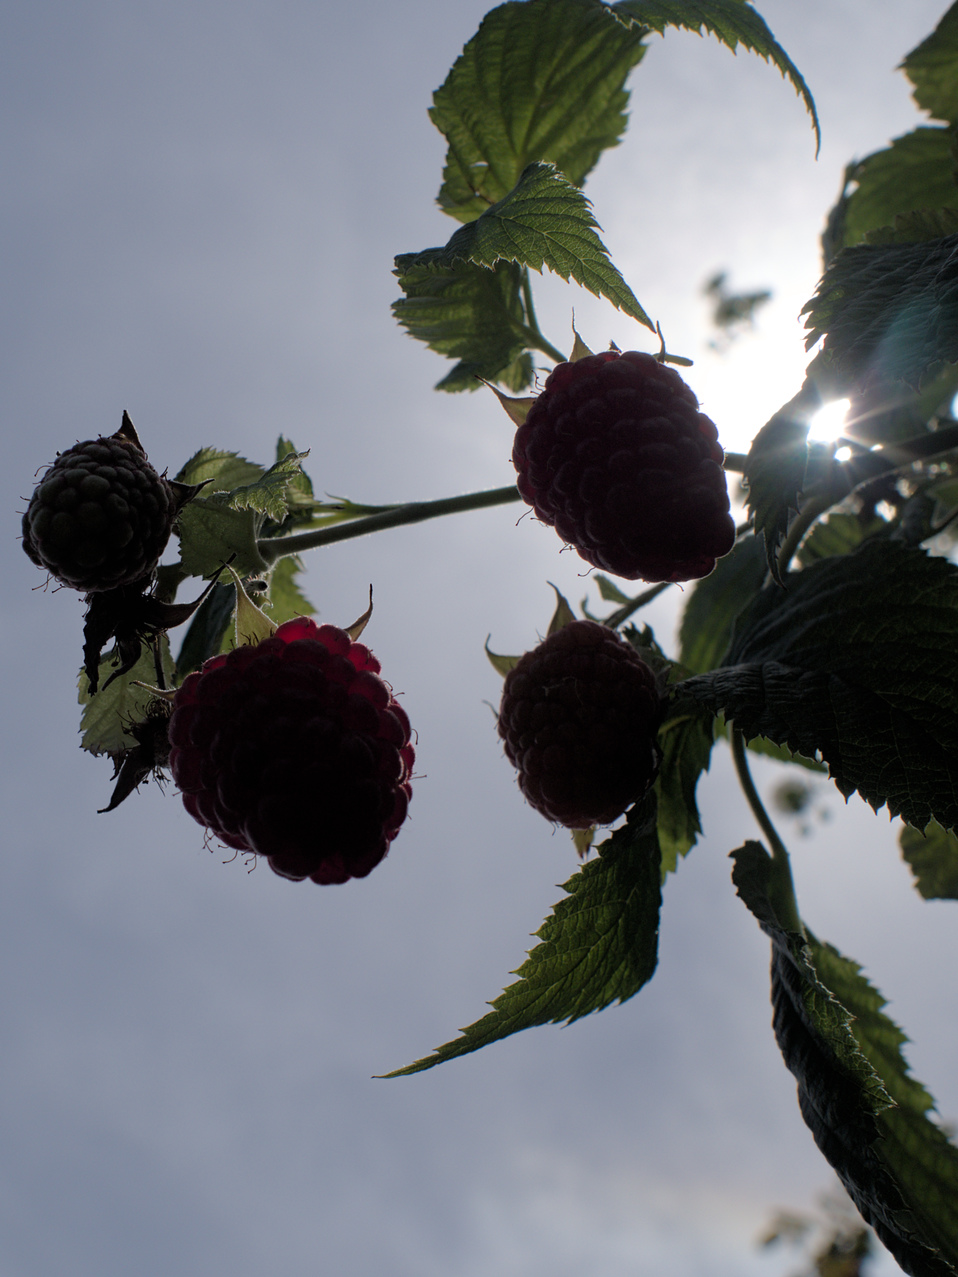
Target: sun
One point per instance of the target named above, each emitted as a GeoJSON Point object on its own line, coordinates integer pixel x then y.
{"type": "Point", "coordinates": [828, 423]}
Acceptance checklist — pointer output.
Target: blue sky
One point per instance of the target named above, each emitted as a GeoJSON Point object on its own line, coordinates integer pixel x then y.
{"type": "Point", "coordinates": [200, 208]}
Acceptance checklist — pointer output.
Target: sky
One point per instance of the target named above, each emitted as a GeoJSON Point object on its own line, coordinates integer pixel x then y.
{"type": "Point", "coordinates": [200, 208]}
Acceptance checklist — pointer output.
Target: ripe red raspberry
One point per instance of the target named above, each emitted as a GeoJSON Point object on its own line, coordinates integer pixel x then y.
{"type": "Point", "coordinates": [578, 719]}
{"type": "Point", "coordinates": [101, 515]}
{"type": "Point", "coordinates": [615, 455]}
{"type": "Point", "coordinates": [295, 748]}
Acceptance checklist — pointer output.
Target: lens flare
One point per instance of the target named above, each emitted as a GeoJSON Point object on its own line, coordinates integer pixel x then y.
{"type": "Point", "coordinates": [827, 424]}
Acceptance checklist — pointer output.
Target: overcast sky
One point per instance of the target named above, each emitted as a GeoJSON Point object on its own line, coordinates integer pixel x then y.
{"type": "Point", "coordinates": [201, 203]}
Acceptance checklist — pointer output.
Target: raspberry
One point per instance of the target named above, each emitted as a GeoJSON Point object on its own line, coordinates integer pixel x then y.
{"type": "Point", "coordinates": [615, 455]}
{"type": "Point", "coordinates": [295, 749]}
{"type": "Point", "coordinates": [578, 719]}
{"type": "Point", "coordinates": [101, 515]}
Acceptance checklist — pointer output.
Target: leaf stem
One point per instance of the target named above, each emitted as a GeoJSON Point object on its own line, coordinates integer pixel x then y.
{"type": "Point", "coordinates": [535, 341]}
{"type": "Point", "coordinates": [812, 510]}
{"type": "Point", "coordinates": [615, 619]}
{"type": "Point", "coordinates": [273, 548]}
{"type": "Point", "coordinates": [781, 889]}
{"type": "Point", "coordinates": [530, 329]}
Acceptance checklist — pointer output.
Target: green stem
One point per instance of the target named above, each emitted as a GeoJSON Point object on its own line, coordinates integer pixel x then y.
{"type": "Point", "coordinates": [535, 341]}
{"type": "Point", "coordinates": [527, 302]}
{"type": "Point", "coordinates": [627, 609]}
{"type": "Point", "coordinates": [273, 548]}
{"type": "Point", "coordinates": [530, 330]}
{"type": "Point", "coordinates": [781, 889]}
{"type": "Point", "coordinates": [736, 462]}
{"type": "Point", "coordinates": [799, 526]}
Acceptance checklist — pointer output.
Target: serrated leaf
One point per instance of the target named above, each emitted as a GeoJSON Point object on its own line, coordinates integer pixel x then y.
{"type": "Point", "coordinates": [917, 227]}
{"type": "Point", "coordinates": [775, 468]}
{"type": "Point", "coordinates": [542, 80]}
{"type": "Point", "coordinates": [108, 716]}
{"type": "Point", "coordinates": [599, 946]}
{"type": "Point", "coordinates": [212, 532]}
{"type": "Point", "coordinates": [890, 308]}
{"type": "Point", "coordinates": [269, 494]}
{"type": "Point", "coordinates": [869, 1117]}
{"type": "Point", "coordinates": [300, 496]}
{"type": "Point", "coordinates": [932, 857]}
{"type": "Point", "coordinates": [932, 68]}
{"type": "Point", "coordinates": [223, 527]}
{"type": "Point", "coordinates": [855, 660]}
{"type": "Point", "coordinates": [224, 470]}
{"type": "Point", "coordinates": [731, 21]}
{"type": "Point", "coordinates": [715, 602]}
{"type": "Point", "coordinates": [768, 749]}
{"type": "Point", "coordinates": [543, 221]}
{"type": "Point", "coordinates": [467, 313]}
{"type": "Point", "coordinates": [917, 171]}
{"type": "Point", "coordinates": [685, 739]}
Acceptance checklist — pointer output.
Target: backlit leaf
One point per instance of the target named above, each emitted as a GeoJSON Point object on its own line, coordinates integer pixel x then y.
{"type": "Point", "coordinates": [933, 69]}
{"type": "Point", "coordinates": [932, 857]}
{"type": "Point", "coordinates": [869, 1116]}
{"type": "Point", "coordinates": [542, 80]}
{"type": "Point", "coordinates": [544, 220]}
{"type": "Point", "coordinates": [599, 946]}
{"type": "Point", "coordinates": [731, 21]}
{"type": "Point", "coordinates": [854, 659]}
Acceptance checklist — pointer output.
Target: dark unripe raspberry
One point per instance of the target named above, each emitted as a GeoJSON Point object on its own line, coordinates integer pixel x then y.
{"type": "Point", "coordinates": [615, 455]}
{"type": "Point", "coordinates": [295, 749]}
{"type": "Point", "coordinates": [100, 517]}
{"type": "Point", "coordinates": [578, 720]}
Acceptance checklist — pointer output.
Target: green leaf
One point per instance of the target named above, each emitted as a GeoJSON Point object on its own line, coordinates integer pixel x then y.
{"type": "Point", "coordinates": [224, 470]}
{"type": "Point", "coordinates": [599, 946]}
{"type": "Point", "coordinates": [563, 614]}
{"type": "Point", "coordinates": [869, 1117]}
{"type": "Point", "coordinates": [933, 69]}
{"type": "Point", "coordinates": [210, 631]}
{"type": "Point", "coordinates": [716, 601]}
{"type": "Point", "coordinates": [890, 308]}
{"type": "Point", "coordinates": [270, 493]}
{"type": "Point", "coordinates": [685, 739]}
{"type": "Point", "coordinates": [212, 531]}
{"type": "Point", "coordinates": [468, 313]}
{"type": "Point", "coordinates": [917, 227]}
{"type": "Point", "coordinates": [285, 599]}
{"type": "Point", "coordinates": [542, 80]}
{"type": "Point", "coordinates": [299, 480]}
{"type": "Point", "coordinates": [921, 1161]}
{"type": "Point", "coordinates": [224, 527]}
{"type": "Point", "coordinates": [731, 21]}
{"type": "Point", "coordinates": [543, 221]}
{"type": "Point", "coordinates": [108, 716]}
{"type": "Point", "coordinates": [768, 749]}
{"type": "Point", "coordinates": [775, 469]}
{"type": "Point", "coordinates": [838, 534]}
{"type": "Point", "coordinates": [933, 859]}
{"type": "Point", "coordinates": [917, 171]}
{"type": "Point", "coordinates": [854, 660]}
{"type": "Point", "coordinates": [609, 590]}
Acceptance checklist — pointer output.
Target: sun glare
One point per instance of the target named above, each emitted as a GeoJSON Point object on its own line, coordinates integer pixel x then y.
{"type": "Point", "coordinates": [827, 424]}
